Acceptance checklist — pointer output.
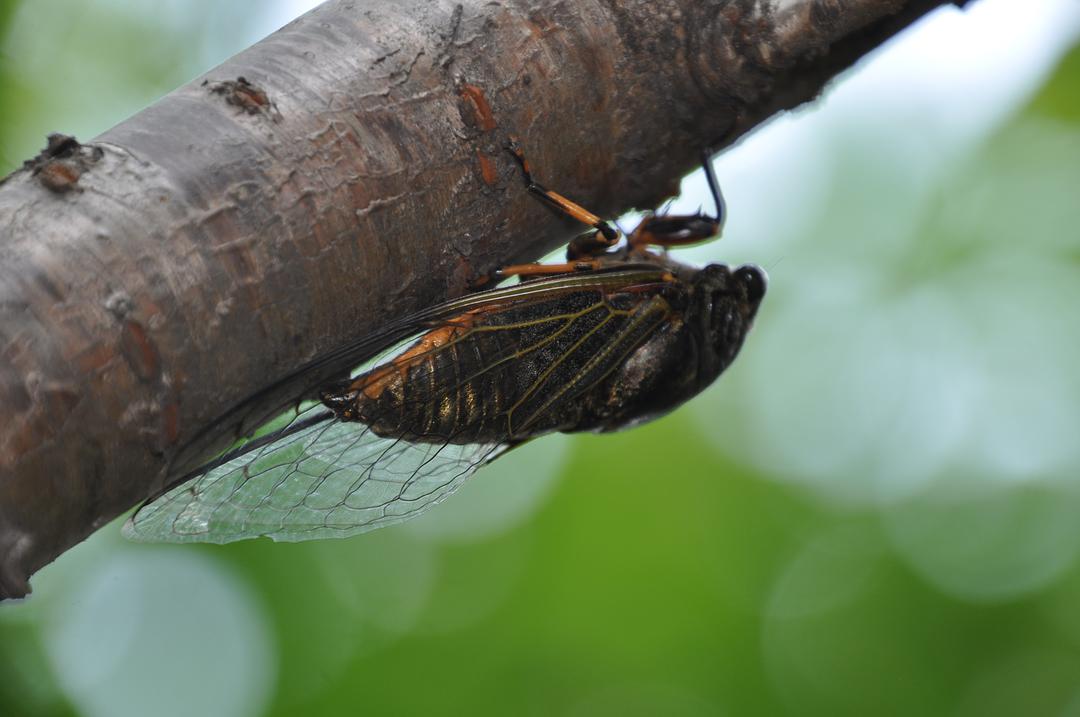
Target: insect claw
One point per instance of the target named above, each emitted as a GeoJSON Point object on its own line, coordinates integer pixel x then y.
{"type": "Point", "coordinates": [514, 148]}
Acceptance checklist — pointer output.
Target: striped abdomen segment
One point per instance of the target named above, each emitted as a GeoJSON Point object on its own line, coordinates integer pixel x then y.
{"type": "Point", "coordinates": [508, 374]}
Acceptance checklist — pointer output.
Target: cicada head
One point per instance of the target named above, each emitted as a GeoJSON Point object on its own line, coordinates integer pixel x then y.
{"type": "Point", "coordinates": [722, 307]}
{"type": "Point", "coordinates": [714, 309]}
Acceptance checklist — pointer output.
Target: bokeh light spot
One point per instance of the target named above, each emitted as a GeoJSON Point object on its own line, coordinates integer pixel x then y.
{"type": "Point", "coordinates": [162, 632]}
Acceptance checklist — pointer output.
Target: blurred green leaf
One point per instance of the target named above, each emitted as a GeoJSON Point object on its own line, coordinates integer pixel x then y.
{"type": "Point", "coordinates": [1058, 99]}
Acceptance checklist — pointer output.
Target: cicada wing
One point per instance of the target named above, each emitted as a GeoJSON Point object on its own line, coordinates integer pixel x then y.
{"type": "Point", "coordinates": [329, 480]}
{"type": "Point", "coordinates": [335, 479]}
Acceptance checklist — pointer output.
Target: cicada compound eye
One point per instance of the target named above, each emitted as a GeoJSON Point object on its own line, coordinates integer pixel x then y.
{"type": "Point", "coordinates": [754, 279]}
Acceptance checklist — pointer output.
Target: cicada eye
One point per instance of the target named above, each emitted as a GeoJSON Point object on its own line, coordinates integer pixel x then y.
{"type": "Point", "coordinates": [754, 279]}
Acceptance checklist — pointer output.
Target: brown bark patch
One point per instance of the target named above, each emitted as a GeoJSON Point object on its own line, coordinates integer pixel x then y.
{"type": "Point", "coordinates": [59, 166]}
{"type": "Point", "coordinates": [244, 94]}
{"type": "Point", "coordinates": [139, 351]}
{"type": "Point", "coordinates": [480, 115]}
{"type": "Point", "coordinates": [487, 169]}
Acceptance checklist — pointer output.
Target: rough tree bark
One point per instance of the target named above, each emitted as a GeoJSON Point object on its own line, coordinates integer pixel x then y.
{"type": "Point", "coordinates": [154, 279]}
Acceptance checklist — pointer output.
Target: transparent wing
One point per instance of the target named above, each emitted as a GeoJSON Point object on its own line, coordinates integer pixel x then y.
{"type": "Point", "coordinates": [329, 480]}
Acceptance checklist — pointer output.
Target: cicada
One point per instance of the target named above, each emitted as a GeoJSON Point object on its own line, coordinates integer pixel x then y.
{"type": "Point", "coordinates": [617, 335]}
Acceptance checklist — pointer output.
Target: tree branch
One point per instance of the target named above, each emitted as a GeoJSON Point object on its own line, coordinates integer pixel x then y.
{"type": "Point", "coordinates": [198, 254]}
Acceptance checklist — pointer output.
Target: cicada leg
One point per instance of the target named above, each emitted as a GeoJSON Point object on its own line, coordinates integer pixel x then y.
{"type": "Point", "coordinates": [585, 252]}
{"type": "Point", "coordinates": [582, 252]}
{"type": "Point", "coordinates": [669, 231]}
{"type": "Point", "coordinates": [527, 271]}
{"type": "Point", "coordinates": [532, 271]}
{"type": "Point", "coordinates": [591, 244]}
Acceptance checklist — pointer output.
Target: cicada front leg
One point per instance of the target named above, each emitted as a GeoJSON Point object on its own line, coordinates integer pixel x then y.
{"type": "Point", "coordinates": [680, 230]}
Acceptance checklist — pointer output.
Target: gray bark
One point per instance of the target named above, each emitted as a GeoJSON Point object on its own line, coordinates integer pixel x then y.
{"type": "Point", "coordinates": [198, 254]}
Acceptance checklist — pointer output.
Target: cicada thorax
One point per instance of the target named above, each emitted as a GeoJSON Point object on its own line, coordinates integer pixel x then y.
{"type": "Point", "coordinates": [507, 373]}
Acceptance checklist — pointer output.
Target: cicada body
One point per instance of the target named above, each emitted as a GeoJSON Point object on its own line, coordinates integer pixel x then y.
{"type": "Point", "coordinates": [613, 338]}
{"type": "Point", "coordinates": [594, 352]}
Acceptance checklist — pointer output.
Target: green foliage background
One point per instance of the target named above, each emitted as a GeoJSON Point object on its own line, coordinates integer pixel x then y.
{"type": "Point", "coordinates": [729, 559]}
